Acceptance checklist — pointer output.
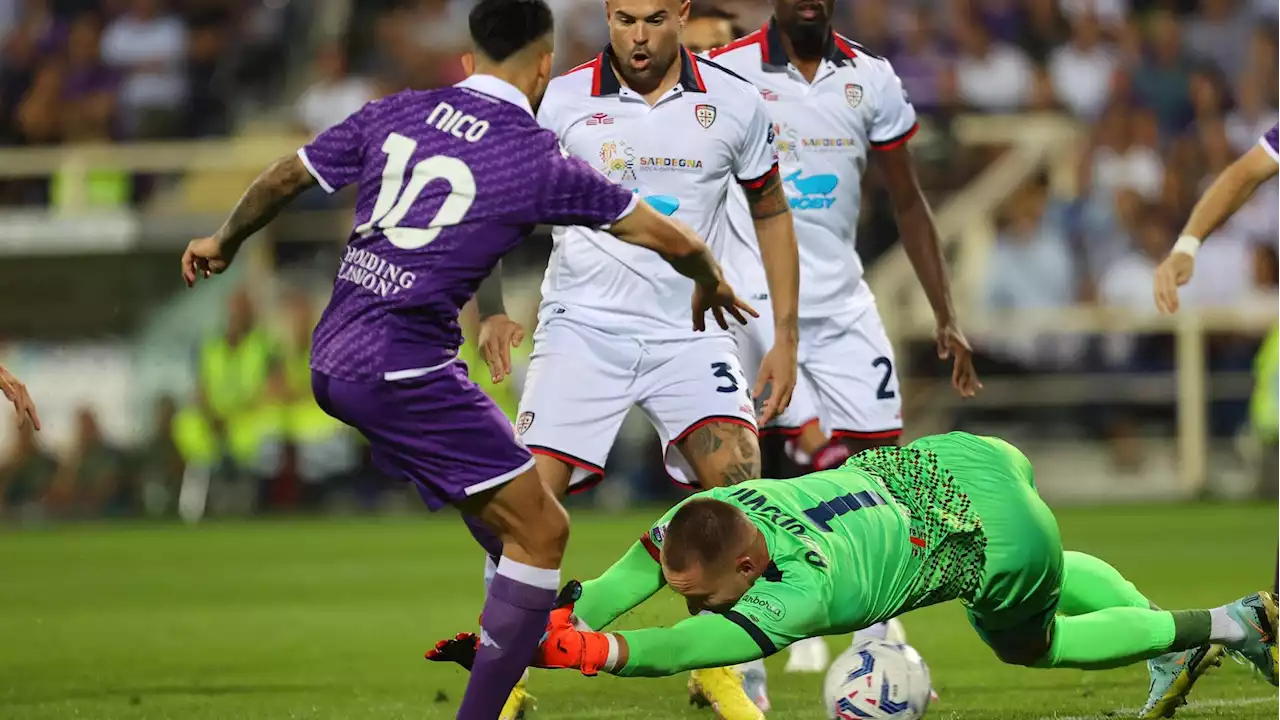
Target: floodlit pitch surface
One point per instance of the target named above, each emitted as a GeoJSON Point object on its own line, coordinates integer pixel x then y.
{"type": "Point", "coordinates": [329, 619]}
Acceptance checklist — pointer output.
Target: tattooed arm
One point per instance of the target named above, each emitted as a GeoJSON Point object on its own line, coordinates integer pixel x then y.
{"type": "Point", "coordinates": [279, 184]}
{"type": "Point", "coordinates": [771, 215]}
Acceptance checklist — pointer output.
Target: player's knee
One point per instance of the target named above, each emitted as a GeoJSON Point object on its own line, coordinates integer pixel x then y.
{"type": "Point", "coordinates": [548, 535]}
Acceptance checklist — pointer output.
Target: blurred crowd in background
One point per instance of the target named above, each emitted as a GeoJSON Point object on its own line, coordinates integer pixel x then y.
{"type": "Point", "coordinates": [1170, 91]}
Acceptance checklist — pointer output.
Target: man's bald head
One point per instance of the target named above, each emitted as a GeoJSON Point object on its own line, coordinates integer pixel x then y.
{"type": "Point", "coordinates": [711, 554]}
{"type": "Point", "coordinates": [705, 532]}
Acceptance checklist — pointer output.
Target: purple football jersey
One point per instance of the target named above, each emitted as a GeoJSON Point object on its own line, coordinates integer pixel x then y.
{"type": "Point", "coordinates": [449, 180]}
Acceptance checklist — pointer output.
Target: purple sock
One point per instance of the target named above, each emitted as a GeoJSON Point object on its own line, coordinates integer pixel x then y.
{"type": "Point", "coordinates": [514, 619]}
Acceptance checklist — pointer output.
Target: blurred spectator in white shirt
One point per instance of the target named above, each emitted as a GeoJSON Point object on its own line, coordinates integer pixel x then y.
{"type": "Point", "coordinates": [1125, 155]}
{"type": "Point", "coordinates": [1128, 281]}
{"type": "Point", "coordinates": [1031, 268]}
{"type": "Point", "coordinates": [991, 77]}
{"type": "Point", "coordinates": [335, 93]}
{"type": "Point", "coordinates": [150, 49]}
{"type": "Point", "coordinates": [1123, 169]}
{"type": "Point", "coordinates": [1251, 118]}
{"type": "Point", "coordinates": [1082, 71]}
{"type": "Point", "coordinates": [1219, 33]}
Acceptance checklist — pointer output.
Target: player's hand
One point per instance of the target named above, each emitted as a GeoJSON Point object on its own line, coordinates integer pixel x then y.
{"type": "Point", "coordinates": [498, 334]}
{"type": "Point", "coordinates": [774, 382]}
{"type": "Point", "coordinates": [21, 399]}
{"type": "Point", "coordinates": [566, 647]}
{"type": "Point", "coordinates": [204, 257]}
{"type": "Point", "coordinates": [952, 344]}
{"type": "Point", "coordinates": [460, 648]}
{"type": "Point", "coordinates": [718, 300]}
{"type": "Point", "coordinates": [1173, 272]}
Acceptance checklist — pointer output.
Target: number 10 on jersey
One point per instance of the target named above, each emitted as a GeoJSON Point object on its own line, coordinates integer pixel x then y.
{"type": "Point", "coordinates": [395, 200]}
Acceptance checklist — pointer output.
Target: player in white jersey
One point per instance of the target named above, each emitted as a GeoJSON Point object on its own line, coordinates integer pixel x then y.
{"type": "Point", "coordinates": [1219, 202]}
{"type": "Point", "coordinates": [836, 107]}
{"type": "Point", "coordinates": [612, 332]}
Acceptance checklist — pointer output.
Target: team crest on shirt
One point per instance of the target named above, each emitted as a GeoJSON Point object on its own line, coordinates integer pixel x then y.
{"type": "Point", "coordinates": [524, 422]}
{"type": "Point", "coordinates": [853, 93]}
{"type": "Point", "coordinates": [617, 161]}
{"type": "Point", "coordinates": [706, 114]}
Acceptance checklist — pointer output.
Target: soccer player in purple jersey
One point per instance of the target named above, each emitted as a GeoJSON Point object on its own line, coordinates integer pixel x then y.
{"type": "Point", "coordinates": [1224, 197]}
{"type": "Point", "coordinates": [449, 180]}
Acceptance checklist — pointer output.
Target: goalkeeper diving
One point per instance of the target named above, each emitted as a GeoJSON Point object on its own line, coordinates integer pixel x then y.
{"type": "Point", "coordinates": [948, 517]}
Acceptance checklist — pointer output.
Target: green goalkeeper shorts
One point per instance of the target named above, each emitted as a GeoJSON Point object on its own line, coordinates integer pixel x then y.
{"type": "Point", "coordinates": [1022, 572]}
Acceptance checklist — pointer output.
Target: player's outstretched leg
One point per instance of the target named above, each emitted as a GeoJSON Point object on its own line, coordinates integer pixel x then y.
{"type": "Point", "coordinates": [534, 530]}
{"type": "Point", "coordinates": [1089, 584]}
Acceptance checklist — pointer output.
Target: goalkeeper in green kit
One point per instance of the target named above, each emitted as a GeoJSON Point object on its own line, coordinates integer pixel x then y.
{"type": "Point", "coordinates": [948, 517]}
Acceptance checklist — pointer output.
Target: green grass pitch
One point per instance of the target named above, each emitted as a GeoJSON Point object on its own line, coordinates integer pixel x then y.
{"type": "Point", "coordinates": [329, 619]}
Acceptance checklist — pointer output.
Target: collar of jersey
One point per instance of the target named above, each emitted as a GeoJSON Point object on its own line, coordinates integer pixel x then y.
{"type": "Point", "coordinates": [605, 81]}
{"type": "Point", "coordinates": [494, 86]}
{"type": "Point", "coordinates": [773, 53]}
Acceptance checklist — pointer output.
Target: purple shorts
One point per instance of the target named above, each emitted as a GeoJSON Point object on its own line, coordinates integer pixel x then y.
{"type": "Point", "coordinates": [438, 431]}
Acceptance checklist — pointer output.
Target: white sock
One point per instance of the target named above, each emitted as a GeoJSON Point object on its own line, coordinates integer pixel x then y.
{"type": "Point", "coordinates": [879, 631]}
{"type": "Point", "coordinates": [490, 569]}
{"type": "Point", "coordinates": [545, 578]}
{"type": "Point", "coordinates": [1223, 628]}
{"type": "Point", "coordinates": [754, 667]}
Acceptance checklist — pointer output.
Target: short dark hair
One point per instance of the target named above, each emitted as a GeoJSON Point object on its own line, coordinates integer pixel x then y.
{"type": "Point", "coordinates": [502, 28]}
{"type": "Point", "coordinates": [704, 531]}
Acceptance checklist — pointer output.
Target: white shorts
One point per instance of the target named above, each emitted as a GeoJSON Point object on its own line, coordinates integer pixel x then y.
{"type": "Point", "coordinates": [849, 363]}
{"type": "Point", "coordinates": [847, 378]}
{"type": "Point", "coordinates": [582, 382]}
{"type": "Point", "coordinates": [754, 340]}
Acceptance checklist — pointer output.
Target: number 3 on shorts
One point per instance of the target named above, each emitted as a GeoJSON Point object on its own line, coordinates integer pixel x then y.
{"type": "Point", "coordinates": [722, 371]}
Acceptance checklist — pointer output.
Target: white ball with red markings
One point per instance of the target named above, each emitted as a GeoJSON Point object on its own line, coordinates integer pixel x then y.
{"type": "Point", "coordinates": [877, 680]}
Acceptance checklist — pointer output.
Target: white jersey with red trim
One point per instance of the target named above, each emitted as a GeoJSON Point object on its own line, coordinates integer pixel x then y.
{"type": "Point", "coordinates": [682, 155]}
{"type": "Point", "coordinates": [823, 131]}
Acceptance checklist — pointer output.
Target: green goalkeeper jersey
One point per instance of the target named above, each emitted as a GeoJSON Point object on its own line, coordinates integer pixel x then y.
{"type": "Point", "coordinates": [888, 532]}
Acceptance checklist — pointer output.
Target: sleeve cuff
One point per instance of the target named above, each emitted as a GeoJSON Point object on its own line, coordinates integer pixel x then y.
{"type": "Point", "coordinates": [1266, 145]}
{"type": "Point", "coordinates": [306, 162]}
{"type": "Point", "coordinates": [759, 182]}
{"type": "Point", "coordinates": [651, 547]}
{"type": "Point", "coordinates": [898, 141]}
{"type": "Point", "coordinates": [766, 645]}
{"type": "Point", "coordinates": [631, 206]}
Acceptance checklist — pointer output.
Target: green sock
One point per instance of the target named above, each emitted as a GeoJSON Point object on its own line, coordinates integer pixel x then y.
{"type": "Point", "coordinates": [1090, 584]}
{"type": "Point", "coordinates": [1121, 636]}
